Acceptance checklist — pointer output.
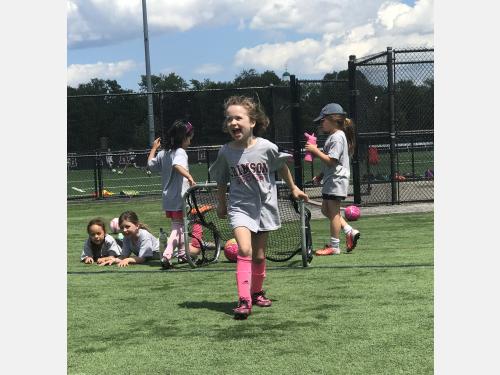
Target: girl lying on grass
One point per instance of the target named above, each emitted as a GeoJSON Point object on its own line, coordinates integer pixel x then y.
{"type": "Point", "coordinates": [99, 247]}
{"type": "Point", "coordinates": [139, 245]}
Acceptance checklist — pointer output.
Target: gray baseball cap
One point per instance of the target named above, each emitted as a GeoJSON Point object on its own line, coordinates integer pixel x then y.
{"type": "Point", "coordinates": [330, 109]}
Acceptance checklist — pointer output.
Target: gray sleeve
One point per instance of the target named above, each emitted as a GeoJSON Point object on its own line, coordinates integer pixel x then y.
{"type": "Point", "coordinates": [146, 244]}
{"type": "Point", "coordinates": [112, 246]}
{"type": "Point", "coordinates": [126, 249]}
{"type": "Point", "coordinates": [335, 148]}
{"type": "Point", "coordinates": [219, 170]}
{"type": "Point", "coordinates": [87, 251]}
{"type": "Point", "coordinates": [277, 159]}
{"type": "Point", "coordinates": [154, 165]}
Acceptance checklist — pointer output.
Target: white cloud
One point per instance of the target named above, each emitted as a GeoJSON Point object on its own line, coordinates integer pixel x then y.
{"type": "Point", "coordinates": [396, 16]}
{"type": "Point", "coordinates": [82, 73]}
{"type": "Point", "coordinates": [395, 25]}
{"type": "Point", "coordinates": [102, 22]}
{"type": "Point", "coordinates": [209, 69]}
{"type": "Point", "coordinates": [334, 29]}
{"type": "Point", "coordinates": [315, 17]}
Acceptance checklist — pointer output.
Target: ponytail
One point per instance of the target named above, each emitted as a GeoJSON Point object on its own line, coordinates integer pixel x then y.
{"type": "Point", "coordinates": [350, 135]}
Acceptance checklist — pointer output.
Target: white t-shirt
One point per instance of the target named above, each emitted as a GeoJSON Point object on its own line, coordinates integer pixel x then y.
{"type": "Point", "coordinates": [174, 185]}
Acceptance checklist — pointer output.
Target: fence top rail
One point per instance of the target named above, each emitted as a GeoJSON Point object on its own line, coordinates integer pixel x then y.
{"type": "Point", "coordinates": [176, 91]}
{"type": "Point", "coordinates": [367, 59]}
{"type": "Point", "coordinates": [410, 50]}
{"type": "Point", "coordinates": [322, 80]}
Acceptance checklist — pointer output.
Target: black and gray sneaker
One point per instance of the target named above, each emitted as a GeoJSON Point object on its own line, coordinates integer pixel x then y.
{"type": "Point", "coordinates": [165, 264]}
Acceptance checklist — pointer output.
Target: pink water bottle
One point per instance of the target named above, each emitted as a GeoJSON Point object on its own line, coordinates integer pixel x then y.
{"type": "Point", "coordinates": [311, 138]}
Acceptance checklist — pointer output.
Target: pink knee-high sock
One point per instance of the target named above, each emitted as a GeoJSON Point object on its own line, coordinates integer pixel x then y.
{"type": "Point", "coordinates": [197, 234]}
{"type": "Point", "coordinates": [243, 276]}
{"type": "Point", "coordinates": [173, 240]}
{"type": "Point", "coordinates": [258, 276]}
{"type": "Point", "coordinates": [182, 251]}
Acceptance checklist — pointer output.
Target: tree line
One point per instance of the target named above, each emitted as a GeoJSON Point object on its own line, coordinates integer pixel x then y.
{"type": "Point", "coordinates": [101, 114]}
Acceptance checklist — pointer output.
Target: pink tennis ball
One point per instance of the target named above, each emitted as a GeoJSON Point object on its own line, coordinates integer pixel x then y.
{"type": "Point", "coordinates": [231, 250]}
{"type": "Point", "coordinates": [113, 225]}
{"type": "Point", "coordinates": [352, 213]}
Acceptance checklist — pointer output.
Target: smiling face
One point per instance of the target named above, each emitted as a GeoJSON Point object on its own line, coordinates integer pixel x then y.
{"type": "Point", "coordinates": [128, 228]}
{"type": "Point", "coordinates": [239, 125]}
{"type": "Point", "coordinates": [96, 234]}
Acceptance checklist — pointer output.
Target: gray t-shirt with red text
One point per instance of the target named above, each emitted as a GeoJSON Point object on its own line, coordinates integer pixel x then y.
{"type": "Point", "coordinates": [252, 192]}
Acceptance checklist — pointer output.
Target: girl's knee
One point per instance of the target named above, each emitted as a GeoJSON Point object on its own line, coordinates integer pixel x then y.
{"type": "Point", "coordinates": [258, 258]}
{"type": "Point", "coordinates": [244, 251]}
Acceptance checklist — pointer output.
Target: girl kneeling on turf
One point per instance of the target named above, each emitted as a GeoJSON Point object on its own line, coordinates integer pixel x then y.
{"type": "Point", "coordinates": [249, 164]}
{"type": "Point", "coordinates": [137, 240]}
{"type": "Point", "coordinates": [100, 247]}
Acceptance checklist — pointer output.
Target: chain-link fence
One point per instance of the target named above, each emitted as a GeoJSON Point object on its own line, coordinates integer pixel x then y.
{"type": "Point", "coordinates": [392, 103]}
{"type": "Point", "coordinates": [389, 95]}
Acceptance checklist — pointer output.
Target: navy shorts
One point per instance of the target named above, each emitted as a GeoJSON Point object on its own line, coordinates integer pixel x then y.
{"type": "Point", "coordinates": [331, 197]}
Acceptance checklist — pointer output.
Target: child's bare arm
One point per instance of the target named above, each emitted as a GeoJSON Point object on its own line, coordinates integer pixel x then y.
{"type": "Point", "coordinates": [221, 201]}
{"type": "Point", "coordinates": [313, 149]}
{"type": "Point", "coordinates": [184, 172]}
{"type": "Point", "coordinates": [156, 146]}
{"type": "Point", "coordinates": [285, 174]}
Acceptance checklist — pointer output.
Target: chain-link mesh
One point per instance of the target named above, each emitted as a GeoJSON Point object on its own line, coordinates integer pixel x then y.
{"type": "Point", "coordinates": [394, 121]}
{"type": "Point", "coordinates": [397, 168]}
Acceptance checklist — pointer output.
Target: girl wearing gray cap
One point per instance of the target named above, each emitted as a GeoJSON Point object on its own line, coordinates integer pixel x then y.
{"type": "Point", "coordinates": [249, 163]}
{"type": "Point", "coordinates": [335, 173]}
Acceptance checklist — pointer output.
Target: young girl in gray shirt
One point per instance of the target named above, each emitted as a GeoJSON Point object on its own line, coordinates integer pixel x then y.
{"type": "Point", "coordinates": [335, 173]}
{"type": "Point", "coordinates": [248, 163]}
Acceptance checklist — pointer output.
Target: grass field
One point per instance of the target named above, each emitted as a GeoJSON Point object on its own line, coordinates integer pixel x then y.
{"type": "Point", "coordinates": [137, 179]}
{"type": "Point", "coordinates": [369, 312]}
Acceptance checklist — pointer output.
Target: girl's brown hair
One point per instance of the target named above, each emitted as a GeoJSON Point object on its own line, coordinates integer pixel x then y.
{"type": "Point", "coordinates": [96, 249]}
{"type": "Point", "coordinates": [347, 126]}
{"type": "Point", "coordinates": [132, 217]}
{"type": "Point", "coordinates": [255, 112]}
{"type": "Point", "coordinates": [96, 221]}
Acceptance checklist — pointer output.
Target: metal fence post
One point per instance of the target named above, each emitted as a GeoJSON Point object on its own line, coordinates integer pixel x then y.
{"type": "Point", "coordinates": [353, 110]}
{"type": "Point", "coordinates": [207, 158]}
{"type": "Point", "coordinates": [96, 178]}
{"type": "Point", "coordinates": [296, 131]}
{"type": "Point", "coordinates": [392, 121]}
{"type": "Point", "coordinates": [99, 177]}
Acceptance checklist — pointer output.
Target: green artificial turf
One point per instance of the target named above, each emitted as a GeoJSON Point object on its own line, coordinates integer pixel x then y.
{"type": "Point", "coordinates": [368, 312]}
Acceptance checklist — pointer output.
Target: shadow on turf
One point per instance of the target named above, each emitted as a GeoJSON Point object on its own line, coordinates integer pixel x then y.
{"type": "Point", "coordinates": [224, 307]}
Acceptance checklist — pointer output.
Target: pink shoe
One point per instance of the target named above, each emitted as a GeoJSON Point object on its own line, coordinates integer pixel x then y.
{"type": "Point", "coordinates": [327, 250]}
{"type": "Point", "coordinates": [260, 299]}
{"type": "Point", "coordinates": [351, 239]}
{"type": "Point", "coordinates": [243, 309]}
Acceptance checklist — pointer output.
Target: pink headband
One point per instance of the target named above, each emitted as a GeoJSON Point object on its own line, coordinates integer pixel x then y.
{"type": "Point", "coordinates": [189, 127]}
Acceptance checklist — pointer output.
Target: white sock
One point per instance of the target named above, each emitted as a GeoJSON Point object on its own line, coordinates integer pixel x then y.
{"type": "Point", "coordinates": [347, 228]}
{"type": "Point", "coordinates": [335, 242]}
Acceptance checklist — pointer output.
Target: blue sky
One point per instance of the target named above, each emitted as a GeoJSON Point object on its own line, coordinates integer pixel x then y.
{"type": "Point", "coordinates": [218, 39]}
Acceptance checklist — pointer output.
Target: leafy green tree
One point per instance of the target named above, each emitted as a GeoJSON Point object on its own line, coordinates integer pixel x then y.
{"type": "Point", "coordinates": [207, 84]}
{"type": "Point", "coordinates": [162, 82]}
{"type": "Point", "coordinates": [101, 108]}
{"type": "Point", "coordinates": [250, 78]}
